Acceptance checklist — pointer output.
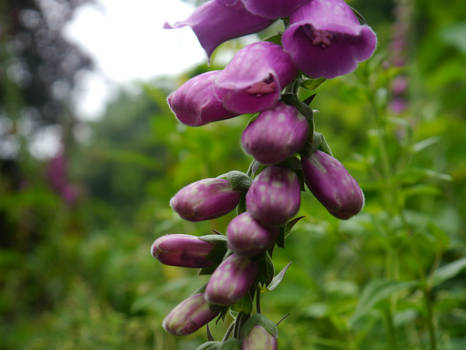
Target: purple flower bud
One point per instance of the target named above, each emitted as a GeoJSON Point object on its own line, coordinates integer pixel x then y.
{"type": "Point", "coordinates": [259, 333]}
{"type": "Point", "coordinates": [182, 250]}
{"type": "Point", "coordinates": [254, 78]}
{"type": "Point", "coordinates": [276, 134]}
{"type": "Point", "coordinates": [195, 103]}
{"type": "Point", "coordinates": [273, 8]}
{"type": "Point", "coordinates": [205, 199]}
{"type": "Point", "coordinates": [325, 39]}
{"type": "Point", "coordinates": [188, 316]}
{"type": "Point", "coordinates": [274, 196]}
{"type": "Point", "coordinates": [220, 20]}
{"type": "Point", "coordinates": [332, 185]}
{"type": "Point", "coordinates": [259, 339]}
{"type": "Point", "coordinates": [247, 237]}
{"type": "Point", "coordinates": [231, 280]}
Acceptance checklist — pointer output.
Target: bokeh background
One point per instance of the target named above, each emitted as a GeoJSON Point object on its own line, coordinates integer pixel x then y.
{"type": "Point", "coordinates": [84, 190]}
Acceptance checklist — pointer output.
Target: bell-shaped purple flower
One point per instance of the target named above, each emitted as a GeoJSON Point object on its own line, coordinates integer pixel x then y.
{"type": "Point", "coordinates": [273, 8]}
{"type": "Point", "coordinates": [205, 199]}
{"type": "Point", "coordinates": [189, 315]}
{"type": "Point", "coordinates": [274, 196]}
{"type": "Point", "coordinates": [247, 237]}
{"type": "Point", "coordinates": [231, 280]}
{"type": "Point", "coordinates": [220, 20]}
{"type": "Point", "coordinates": [254, 78]}
{"type": "Point", "coordinates": [276, 134]}
{"type": "Point", "coordinates": [325, 39]}
{"type": "Point", "coordinates": [186, 250]}
{"type": "Point", "coordinates": [259, 338]}
{"type": "Point", "coordinates": [195, 103]}
{"type": "Point", "coordinates": [332, 185]}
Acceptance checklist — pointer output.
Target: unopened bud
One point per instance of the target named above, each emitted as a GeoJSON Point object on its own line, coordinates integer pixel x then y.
{"type": "Point", "coordinates": [205, 199]}
{"type": "Point", "coordinates": [188, 316]}
{"type": "Point", "coordinates": [186, 250]}
{"type": "Point", "coordinates": [274, 196]}
{"type": "Point", "coordinates": [332, 185]}
{"type": "Point", "coordinates": [248, 237]}
{"type": "Point", "coordinates": [231, 280]}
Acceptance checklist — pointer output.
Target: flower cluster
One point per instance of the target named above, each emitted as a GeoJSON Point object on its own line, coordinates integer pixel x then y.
{"type": "Point", "coordinates": [323, 39]}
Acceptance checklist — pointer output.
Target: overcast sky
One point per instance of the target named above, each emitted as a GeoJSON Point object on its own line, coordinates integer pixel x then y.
{"type": "Point", "coordinates": [127, 42]}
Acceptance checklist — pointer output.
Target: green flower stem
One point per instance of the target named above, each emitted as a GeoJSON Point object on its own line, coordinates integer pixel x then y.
{"type": "Point", "coordinates": [430, 318]}
{"type": "Point", "coordinates": [391, 345]}
{"type": "Point", "coordinates": [258, 300]}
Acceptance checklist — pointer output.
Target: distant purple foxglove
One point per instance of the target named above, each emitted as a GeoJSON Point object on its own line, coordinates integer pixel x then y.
{"type": "Point", "coordinates": [254, 78]}
{"type": "Point", "coordinates": [274, 196]}
{"type": "Point", "coordinates": [247, 237]}
{"type": "Point", "coordinates": [189, 315]}
{"type": "Point", "coordinates": [231, 280]}
{"type": "Point", "coordinates": [276, 134]}
{"type": "Point", "coordinates": [220, 20]}
{"type": "Point", "coordinates": [325, 39]}
{"type": "Point", "coordinates": [195, 103]}
{"type": "Point", "coordinates": [273, 8]}
{"type": "Point", "coordinates": [332, 185]}
{"type": "Point", "coordinates": [205, 199]}
{"type": "Point", "coordinates": [183, 250]}
{"type": "Point", "coordinates": [259, 339]}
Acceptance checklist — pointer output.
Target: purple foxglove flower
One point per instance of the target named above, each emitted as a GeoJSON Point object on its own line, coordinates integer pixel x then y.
{"type": "Point", "coordinates": [273, 8]}
{"type": "Point", "coordinates": [332, 185]}
{"type": "Point", "coordinates": [205, 199]}
{"type": "Point", "coordinates": [185, 250]}
{"type": "Point", "coordinates": [189, 315]}
{"type": "Point", "coordinates": [276, 134]}
{"type": "Point", "coordinates": [231, 280]}
{"type": "Point", "coordinates": [274, 196]}
{"type": "Point", "coordinates": [254, 78]}
{"type": "Point", "coordinates": [247, 237]}
{"type": "Point", "coordinates": [195, 103]}
{"type": "Point", "coordinates": [220, 20]}
{"type": "Point", "coordinates": [325, 39]}
{"type": "Point", "coordinates": [259, 339]}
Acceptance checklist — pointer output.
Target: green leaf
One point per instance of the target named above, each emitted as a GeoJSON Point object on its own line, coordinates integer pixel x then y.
{"type": "Point", "coordinates": [421, 145]}
{"type": "Point", "coordinates": [312, 84]}
{"type": "Point", "coordinates": [278, 278]}
{"type": "Point", "coordinates": [375, 292]}
{"type": "Point", "coordinates": [448, 271]}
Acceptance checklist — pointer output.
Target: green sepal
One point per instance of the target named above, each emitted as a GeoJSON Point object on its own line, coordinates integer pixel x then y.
{"type": "Point", "coordinates": [281, 238]}
{"type": "Point", "coordinates": [266, 270]}
{"type": "Point", "coordinates": [210, 345]}
{"type": "Point", "coordinates": [276, 39]}
{"type": "Point", "coordinates": [230, 344]}
{"type": "Point", "coordinates": [241, 208]}
{"type": "Point", "coordinates": [243, 305]}
{"type": "Point", "coordinates": [278, 278]}
{"type": "Point", "coordinates": [320, 143]}
{"type": "Point", "coordinates": [217, 254]}
{"type": "Point", "coordinates": [239, 180]}
{"type": "Point", "coordinates": [290, 224]}
{"type": "Point", "coordinates": [259, 320]}
{"type": "Point", "coordinates": [312, 84]}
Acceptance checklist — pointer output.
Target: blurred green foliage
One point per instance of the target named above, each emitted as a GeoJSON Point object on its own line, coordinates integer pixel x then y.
{"type": "Point", "coordinates": [393, 277]}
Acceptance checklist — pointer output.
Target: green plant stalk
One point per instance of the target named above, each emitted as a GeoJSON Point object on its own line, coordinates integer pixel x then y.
{"type": "Point", "coordinates": [390, 330]}
{"type": "Point", "coordinates": [430, 318]}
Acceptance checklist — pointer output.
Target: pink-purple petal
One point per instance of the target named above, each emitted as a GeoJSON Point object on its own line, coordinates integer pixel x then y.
{"type": "Point", "coordinates": [253, 80]}
{"type": "Point", "coordinates": [325, 39]}
{"type": "Point", "coordinates": [220, 20]}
